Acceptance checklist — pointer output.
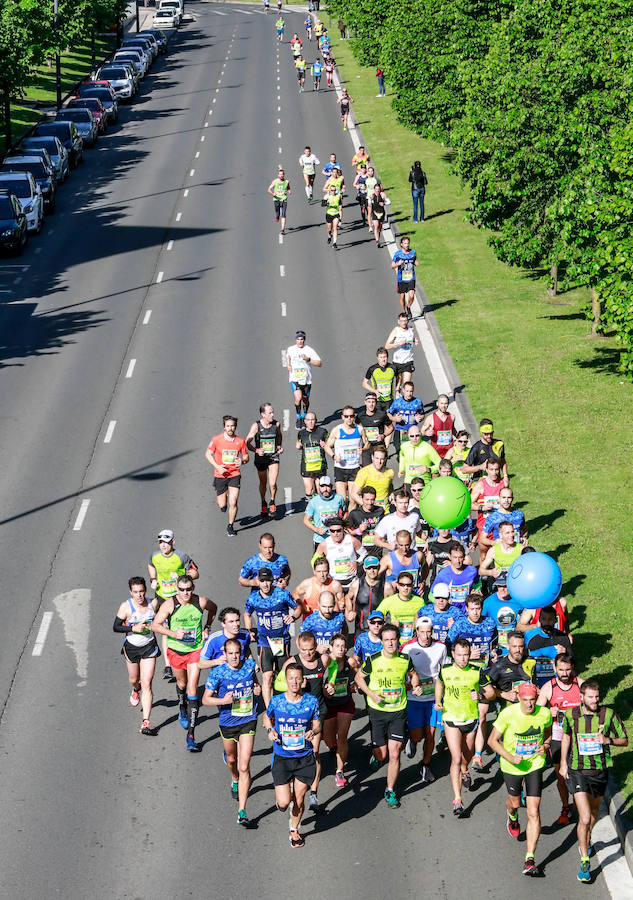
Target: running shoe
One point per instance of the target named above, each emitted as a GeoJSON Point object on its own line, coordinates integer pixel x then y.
{"type": "Point", "coordinates": [513, 827]}
{"type": "Point", "coordinates": [191, 744]}
{"type": "Point", "coordinates": [458, 809]}
{"type": "Point", "coordinates": [530, 868]}
{"type": "Point", "coordinates": [168, 674]}
{"type": "Point", "coordinates": [242, 819]}
{"type": "Point", "coordinates": [134, 698]}
{"type": "Point", "coordinates": [391, 800]}
{"type": "Point", "coordinates": [313, 802]}
{"type": "Point", "coordinates": [272, 509]}
{"type": "Point", "coordinates": [564, 819]}
{"type": "Point", "coordinates": [339, 779]}
{"type": "Point", "coordinates": [264, 509]}
{"type": "Point", "coordinates": [426, 775]}
{"type": "Point", "coordinates": [234, 789]}
{"type": "Point", "coordinates": [230, 530]}
{"type": "Point", "coordinates": [374, 764]}
{"type": "Point", "coordinates": [467, 781]}
{"type": "Point", "coordinates": [584, 873]}
{"type": "Point", "coordinates": [296, 842]}
{"type": "Point", "coordinates": [476, 760]}
{"type": "Point", "coordinates": [146, 728]}
{"type": "Point", "coordinates": [329, 239]}
{"type": "Point", "coordinates": [410, 749]}
{"type": "Point", "coordinates": [183, 716]}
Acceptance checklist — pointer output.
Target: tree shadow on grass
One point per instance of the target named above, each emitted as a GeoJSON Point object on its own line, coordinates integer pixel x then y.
{"type": "Point", "coordinates": [545, 521]}
{"type": "Point", "coordinates": [610, 680]}
{"type": "Point", "coordinates": [559, 551]}
{"type": "Point", "coordinates": [449, 156]}
{"type": "Point", "coordinates": [590, 646]}
{"type": "Point", "coordinates": [605, 361]}
{"type": "Point", "coordinates": [433, 306]}
{"type": "Point", "coordinates": [577, 617]}
{"type": "Point", "coordinates": [570, 587]}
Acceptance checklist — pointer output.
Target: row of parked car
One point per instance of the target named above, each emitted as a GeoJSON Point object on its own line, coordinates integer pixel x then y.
{"type": "Point", "coordinates": [32, 172]}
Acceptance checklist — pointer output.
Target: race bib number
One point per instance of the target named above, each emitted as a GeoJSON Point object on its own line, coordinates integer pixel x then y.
{"type": "Point", "coordinates": [589, 745]}
{"type": "Point", "coordinates": [393, 696]}
{"type": "Point", "coordinates": [343, 567]}
{"type": "Point", "coordinates": [299, 373]}
{"type": "Point", "coordinates": [276, 645]}
{"type": "Point", "coordinates": [557, 727]}
{"type": "Point", "coordinates": [242, 705]}
{"type": "Point", "coordinates": [189, 636]}
{"type": "Point", "coordinates": [229, 457]}
{"type": "Point", "coordinates": [341, 687]}
{"type": "Point", "coordinates": [526, 746]}
{"type": "Point", "coordinates": [309, 169]}
{"type": "Point", "coordinates": [313, 458]}
{"type": "Point", "coordinates": [427, 686]}
{"type": "Point", "coordinates": [417, 469]}
{"type": "Point", "coordinates": [384, 390]}
{"type": "Point", "coordinates": [444, 438]}
{"type": "Point", "coordinates": [503, 638]}
{"type": "Point", "coordinates": [420, 542]}
{"type": "Point", "coordinates": [459, 592]}
{"type": "Point", "coordinates": [407, 272]}
{"type": "Point", "coordinates": [168, 585]}
{"type": "Point", "coordinates": [268, 445]}
{"type": "Point", "coordinates": [293, 737]}
{"type": "Point", "coordinates": [368, 539]}
{"type": "Point", "coordinates": [350, 457]}
{"type": "Point", "coordinates": [406, 630]}
{"type": "Point", "coordinates": [544, 668]}
{"type": "Point", "coordinates": [373, 433]}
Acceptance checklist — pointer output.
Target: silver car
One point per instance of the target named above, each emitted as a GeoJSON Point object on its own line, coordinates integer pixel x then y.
{"type": "Point", "coordinates": [135, 57]}
{"type": "Point", "coordinates": [56, 151]}
{"type": "Point", "coordinates": [120, 80]}
{"type": "Point", "coordinates": [85, 122]}
{"type": "Point", "coordinates": [23, 185]}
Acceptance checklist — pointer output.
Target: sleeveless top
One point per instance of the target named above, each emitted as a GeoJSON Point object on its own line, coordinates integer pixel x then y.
{"type": "Point", "coordinates": [342, 559]}
{"type": "Point", "coordinates": [266, 440]}
{"type": "Point", "coordinates": [489, 494]}
{"type": "Point", "coordinates": [341, 679]}
{"type": "Point", "coordinates": [563, 700]}
{"type": "Point", "coordinates": [136, 617]}
{"type": "Point", "coordinates": [412, 567]}
{"type": "Point", "coordinates": [442, 439]}
{"type": "Point", "coordinates": [311, 598]}
{"type": "Point", "coordinates": [347, 445]}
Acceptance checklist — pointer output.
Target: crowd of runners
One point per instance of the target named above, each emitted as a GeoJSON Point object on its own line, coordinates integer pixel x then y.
{"type": "Point", "coordinates": [410, 625]}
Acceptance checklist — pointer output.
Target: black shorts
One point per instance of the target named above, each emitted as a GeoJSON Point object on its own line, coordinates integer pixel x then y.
{"type": "Point", "coordinates": [554, 753]}
{"type": "Point", "coordinates": [268, 662]}
{"type": "Point", "coordinates": [587, 782]}
{"type": "Point", "coordinates": [280, 207]}
{"type": "Point", "coordinates": [344, 111]}
{"type": "Point", "coordinates": [235, 732]}
{"type": "Point", "coordinates": [304, 388]}
{"type": "Point", "coordinates": [264, 462]}
{"type": "Point", "coordinates": [464, 727]}
{"type": "Point", "coordinates": [362, 200]}
{"type": "Point", "coordinates": [404, 367]}
{"type": "Point", "coordinates": [285, 768]}
{"type": "Point", "coordinates": [387, 726]}
{"type": "Point", "coordinates": [345, 474]}
{"type": "Point", "coordinates": [314, 473]}
{"type": "Point", "coordinates": [403, 287]}
{"type": "Point", "coordinates": [222, 485]}
{"type": "Point", "coordinates": [136, 654]}
{"type": "Point", "coordinates": [329, 219]}
{"type": "Point", "coordinates": [531, 783]}
{"type": "Point", "coordinates": [301, 74]}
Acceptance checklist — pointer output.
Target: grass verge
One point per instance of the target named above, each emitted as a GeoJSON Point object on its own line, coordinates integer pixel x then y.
{"type": "Point", "coordinates": [528, 362]}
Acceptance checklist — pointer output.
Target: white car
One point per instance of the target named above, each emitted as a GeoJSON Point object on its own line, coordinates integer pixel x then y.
{"type": "Point", "coordinates": [166, 18]}
{"type": "Point", "coordinates": [23, 185]}
{"type": "Point", "coordinates": [173, 4]}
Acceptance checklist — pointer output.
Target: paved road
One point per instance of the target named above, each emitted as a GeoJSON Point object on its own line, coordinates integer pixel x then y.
{"type": "Point", "coordinates": [93, 808]}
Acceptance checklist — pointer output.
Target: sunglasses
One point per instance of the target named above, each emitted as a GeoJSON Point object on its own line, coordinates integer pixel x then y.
{"type": "Point", "coordinates": [335, 530]}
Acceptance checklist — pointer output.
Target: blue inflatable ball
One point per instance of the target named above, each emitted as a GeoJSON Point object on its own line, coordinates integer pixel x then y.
{"type": "Point", "coordinates": [534, 580]}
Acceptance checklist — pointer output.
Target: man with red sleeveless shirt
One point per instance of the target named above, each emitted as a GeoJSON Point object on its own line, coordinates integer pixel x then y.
{"type": "Point", "coordinates": [439, 426]}
{"type": "Point", "coordinates": [485, 495]}
{"type": "Point", "coordinates": [561, 693]}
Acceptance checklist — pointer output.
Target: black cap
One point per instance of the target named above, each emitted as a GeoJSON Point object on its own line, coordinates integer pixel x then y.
{"type": "Point", "coordinates": [265, 574]}
{"type": "Point", "coordinates": [335, 521]}
{"type": "Point", "coordinates": [300, 334]}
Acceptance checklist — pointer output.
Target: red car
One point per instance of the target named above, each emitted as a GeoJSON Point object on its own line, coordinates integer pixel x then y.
{"type": "Point", "coordinates": [96, 108]}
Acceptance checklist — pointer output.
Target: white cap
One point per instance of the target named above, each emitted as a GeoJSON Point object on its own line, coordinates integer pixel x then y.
{"type": "Point", "coordinates": [441, 590]}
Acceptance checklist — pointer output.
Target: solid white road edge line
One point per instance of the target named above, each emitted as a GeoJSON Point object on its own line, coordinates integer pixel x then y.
{"type": "Point", "coordinates": [40, 640]}
{"type": "Point", "coordinates": [81, 515]}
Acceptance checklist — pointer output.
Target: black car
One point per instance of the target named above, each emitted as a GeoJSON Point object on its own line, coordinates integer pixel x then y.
{"type": "Point", "coordinates": [160, 36]}
{"type": "Point", "coordinates": [39, 152]}
{"type": "Point", "coordinates": [69, 136]}
{"type": "Point", "coordinates": [13, 233]}
{"type": "Point", "coordinates": [43, 175]}
{"type": "Point", "coordinates": [105, 94]}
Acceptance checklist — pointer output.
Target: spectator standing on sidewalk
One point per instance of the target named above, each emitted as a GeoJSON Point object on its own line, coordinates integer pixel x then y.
{"type": "Point", "coordinates": [380, 75]}
{"type": "Point", "coordinates": [341, 27]}
{"type": "Point", "coordinates": [418, 181]}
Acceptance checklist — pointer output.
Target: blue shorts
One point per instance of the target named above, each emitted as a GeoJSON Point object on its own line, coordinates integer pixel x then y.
{"type": "Point", "coordinates": [421, 713]}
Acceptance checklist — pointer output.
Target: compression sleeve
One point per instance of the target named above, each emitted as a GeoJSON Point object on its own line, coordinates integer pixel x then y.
{"type": "Point", "coordinates": [120, 626]}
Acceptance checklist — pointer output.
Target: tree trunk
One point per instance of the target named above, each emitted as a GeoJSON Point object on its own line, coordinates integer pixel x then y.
{"type": "Point", "coordinates": [553, 274]}
{"type": "Point", "coordinates": [595, 312]}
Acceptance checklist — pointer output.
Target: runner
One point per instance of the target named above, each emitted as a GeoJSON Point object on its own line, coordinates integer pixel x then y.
{"type": "Point", "coordinates": [308, 591]}
{"type": "Point", "coordinates": [329, 167]}
{"type": "Point", "coordinates": [344, 102]}
{"type": "Point", "coordinates": [380, 379]}
{"type": "Point", "coordinates": [521, 736]}
{"type": "Point", "coordinates": [333, 205]}
{"type": "Point", "coordinates": [589, 731]}
{"type": "Point", "coordinates": [361, 159]}
{"type": "Point", "coordinates": [505, 675]}
{"type": "Point", "coordinates": [164, 568]}
{"type": "Point", "coordinates": [140, 650]}
{"type": "Point", "coordinates": [267, 6]}
{"type": "Point", "coordinates": [212, 653]}
{"type": "Point", "coordinates": [279, 189]}
{"type": "Point", "coordinates": [368, 642]}
{"type": "Point", "coordinates": [378, 212]}
{"type": "Point", "coordinates": [403, 559]}
{"type": "Point", "coordinates": [344, 445]}
{"type": "Point", "coordinates": [296, 45]}
{"type": "Point", "coordinates": [233, 686]}
{"type": "Point", "coordinates": [292, 720]}
{"type": "Point", "coordinates": [384, 678]}
{"type": "Point", "coordinates": [280, 24]}
{"type": "Point", "coordinates": [322, 508]}
{"type": "Point", "coordinates": [308, 163]}
{"type": "Point", "coordinates": [401, 518]}
{"type": "Point", "coordinates": [457, 690]}
{"type": "Point", "coordinates": [484, 449]}
{"type": "Point", "coordinates": [501, 555]}
{"type": "Point", "coordinates": [503, 611]}
{"type": "Point", "coordinates": [402, 339]}
{"type": "Point", "coordinates": [311, 442]}
{"type": "Point", "coordinates": [417, 458]}
{"type": "Point", "coordinates": [264, 439]}
{"type": "Point", "coordinates": [329, 70]}
{"type": "Point", "coordinates": [544, 643]}
{"type": "Point", "coordinates": [300, 65]}
{"type": "Point", "coordinates": [560, 693]}
{"type": "Point", "coordinates": [458, 454]}
{"type": "Point", "coordinates": [328, 619]}
{"type": "Point", "coordinates": [485, 495]}
{"type": "Point", "coordinates": [340, 705]}
{"type": "Point", "coordinates": [428, 657]}
{"type": "Point", "coordinates": [317, 72]}
{"type": "Point", "coordinates": [266, 558]}
{"type": "Point", "coordinates": [342, 551]}
{"type": "Point", "coordinates": [370, 183]}
{"type": "Point", "coordinates": [275, 610]}
{"type": "Point", "coordinates": [440, 426]}
{"type": "Point", "coordinates": [404, 262]}
{"type": "Point", "coordinates": [441, 613]}
{"type": "Point", "coordinates": [375, 475]}
{"type": "Point", "coordinates": [460, 578]}
{"type": "Point", "coordinates": [227, 453]}
{"type": "Point", "coordinates": [378, 429]}
{"type": "Point", "coordinates": [401, 608]}
{"type": "Point", "coordinates": [308, 27]}
{"type": "Point", "coordinates": [366, 594]}
{"type": "Point", "coordinates": [179, 619]}
{"type": "Point", "coordinates": [504, 513]}
{"type": "Point", "coordinates": [404, 412]}
{"type": "Point", "coordinates": [300, 358]}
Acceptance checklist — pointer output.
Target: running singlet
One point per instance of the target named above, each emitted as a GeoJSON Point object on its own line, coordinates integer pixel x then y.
{"type": "Point", "coordinates": [387, 677]}
{"type": "Point", "coordinates": [503, 559]}
{"type": "Point", "coordinates": [427, 661]}
{"type": "Point", "coordinates": [270, 611]}
{"type": "Point", "coordinates": [347, 447]}
{"type": "Point", "coordinates": [321, 511]}
{"type": "Point", "coordinates": [405, 272]}
{"type": "Point", "coordinates": [562, 700]}
{"type": "Point", "coordinates": [523, 735]}
{"type": "Point", "coordinates": [317, 70]}
{"type": "Point", "coordinates": [168, 571]}
{"type": "Point", "coordinates": [323, 629]}
{"type": "Point", "coordinates": [280, 189]}
{"type": "Point", "coordinates": [313, 457]}
{"type": "Point", "coordinates": [342, 559]}
{"type": "Point", "coordinates": [482, 634]}
{"type": "Point", "coordinates": [224, 679]}
{"type": "Point", "coordinates": [266, 440]}
{"type": "Point", "coordinates": [341, 678]}
{"type": "Point", "coordinates": [441, 619]}
{"type": "Point", "coordinates": [291, 721]}
{"type": "Point", "coordinates": [411, 567]}
{"type": "Point", "coordinates": [308, 164]}
{"type": "Point", "coordinates": [369, 596]}
{"type": "Point", "coordinates": [442, 439]}
{"type": "Point", "coordinates": [226, 452]}
{"type": "Point", "coordinates": [333, 204]}
{"type": "Point", "coordinates": [301, 66]}
{"type": "Point", "coordinates": [214, 645]}
{"type": "Point", "coordinates": [382, 380]}
{"type": "Point", "coordinates": [459, 706]}
{"type": "Point", "coordinates": [403, 352]}
{"type": "Point", "coordinates": [344, 105]}
{"type": "Point", "coordinates": [189, 617]}
{"type": "Point", "coordinates": [140, 616]}
{"type": "Point", "coordinates": [364, 646]}
{"type": "Point", "coordinates": [403, 611]}
{"type": "Point", "coordinates": [587, 754]}
{"type": "Point", "coordinates": [490, 496]}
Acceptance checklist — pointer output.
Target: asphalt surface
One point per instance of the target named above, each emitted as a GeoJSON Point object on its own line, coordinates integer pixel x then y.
{"type": "Point", "coordinates": [91, 808]}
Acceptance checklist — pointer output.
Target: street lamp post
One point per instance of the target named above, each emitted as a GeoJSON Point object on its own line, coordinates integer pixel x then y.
{"type": "Point", "coordinates": [138, 26]}
{"type": "Point", "coordinates": [58, 68]}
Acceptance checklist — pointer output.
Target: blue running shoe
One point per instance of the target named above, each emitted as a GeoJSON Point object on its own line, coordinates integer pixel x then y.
{"type": "Point", "coordinates": [584, 874]}
{"type": "Point", "coordinates": [192, 746]}
{"type": "Point", "coordinates": [183, 716]}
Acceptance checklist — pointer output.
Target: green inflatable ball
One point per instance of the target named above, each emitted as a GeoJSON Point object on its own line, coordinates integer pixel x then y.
{"type": "Point", "coordinates": [445, 502]}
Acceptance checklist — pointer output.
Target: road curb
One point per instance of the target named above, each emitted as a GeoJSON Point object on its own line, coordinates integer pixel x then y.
{"type": "Point", "coordinates": [616, 805]}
